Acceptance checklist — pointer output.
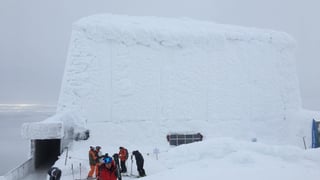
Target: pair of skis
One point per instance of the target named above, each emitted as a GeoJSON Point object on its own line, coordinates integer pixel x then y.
{"type": "Point", "coordinates": [116, 159]}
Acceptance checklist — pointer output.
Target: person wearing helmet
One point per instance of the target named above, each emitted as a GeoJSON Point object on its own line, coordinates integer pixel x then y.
{"type": "Point", "coordinates": [107, 170]}
{"type": "Point", "coordinates": [123, 156]}
{"type": "Point", "coordinates": [99, 154]}
{"type": "Point", "coordinates": [92, 162]}
{"type": "Point", "coordinates": [99, 159]}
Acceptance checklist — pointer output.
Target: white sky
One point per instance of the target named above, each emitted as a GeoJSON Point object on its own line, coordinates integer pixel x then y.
{"type": "Point", "coordinates": [35, 36]}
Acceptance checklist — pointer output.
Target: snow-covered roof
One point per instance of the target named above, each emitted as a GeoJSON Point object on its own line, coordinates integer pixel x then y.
{"type": "Point", "coordinates": [131, 29]}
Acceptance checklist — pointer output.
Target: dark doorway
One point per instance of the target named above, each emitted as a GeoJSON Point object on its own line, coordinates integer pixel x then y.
{"type": "Point", "coordinates": [46, 152]}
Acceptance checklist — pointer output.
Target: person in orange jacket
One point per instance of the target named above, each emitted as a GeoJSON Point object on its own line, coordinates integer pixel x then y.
{"type": "Point", "coordinates": [92, 161]}
{"type": "Point", "coordinates": [123, 156]}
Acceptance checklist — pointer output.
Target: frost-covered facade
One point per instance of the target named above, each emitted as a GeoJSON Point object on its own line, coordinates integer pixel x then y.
{"type": "Point", "coordinates": [122, 68]}
{"type": "Point", "coordinates": [239, 82]}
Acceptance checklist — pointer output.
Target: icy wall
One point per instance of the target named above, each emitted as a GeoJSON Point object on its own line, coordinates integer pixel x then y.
{"type": "Point", "coordinates": [122, 68]}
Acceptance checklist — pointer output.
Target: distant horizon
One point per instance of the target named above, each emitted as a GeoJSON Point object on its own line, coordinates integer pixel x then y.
{"type": "Point", "coordinates": [23, 107]}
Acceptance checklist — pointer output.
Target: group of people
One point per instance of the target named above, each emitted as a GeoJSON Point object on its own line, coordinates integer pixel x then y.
{"type": "Point", "coordinates": [105, 167]}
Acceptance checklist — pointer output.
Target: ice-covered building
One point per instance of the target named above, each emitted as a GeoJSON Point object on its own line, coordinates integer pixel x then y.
{"type": "Point", "coordinates": [122, 68]}
{"type": "Point", "coordinates": [235, 81]}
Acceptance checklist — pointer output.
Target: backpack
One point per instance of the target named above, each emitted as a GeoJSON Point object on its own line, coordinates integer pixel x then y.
{"type": "Point", "coordinates": [127, 153]}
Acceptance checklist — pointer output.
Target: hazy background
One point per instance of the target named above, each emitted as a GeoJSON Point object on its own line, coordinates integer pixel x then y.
{"type": "Point", "coordinates": [34, 37]}
{"type": "Point", "coordinates": [14, 149]}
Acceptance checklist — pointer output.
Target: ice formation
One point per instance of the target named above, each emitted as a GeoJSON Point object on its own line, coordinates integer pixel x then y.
{"type": "Point", "coordinates": [241, 82]}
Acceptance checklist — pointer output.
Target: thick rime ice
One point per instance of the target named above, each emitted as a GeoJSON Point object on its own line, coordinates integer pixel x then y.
{"type": "Point", "coordinates": [60, 126]}
{"type": "Point", "coordinates": [122, 68]}
{"type": "Point", "coordinates": [129, 69]}
{"type": "Point", "coordinates": [239, 82]}
{"type": "Point", "coordinates": [43, 130]}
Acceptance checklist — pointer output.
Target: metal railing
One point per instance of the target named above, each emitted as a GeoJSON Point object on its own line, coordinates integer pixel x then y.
{"type": "Point", "coordinates": [20, 171]}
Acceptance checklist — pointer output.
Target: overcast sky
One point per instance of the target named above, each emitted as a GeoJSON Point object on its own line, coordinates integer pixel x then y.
{"type": "Point", "coordinates": [35, 36]}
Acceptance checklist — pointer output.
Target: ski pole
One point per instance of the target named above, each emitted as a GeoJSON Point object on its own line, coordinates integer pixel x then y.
{"type": "Point", "coordinates": [80, 169]}
{"type": "Point", "coordinates": [131, 165]}
{"type": "Point", "coordinates": [65, 162]}
{"type": "Point", "coordinates": [304, 142]}
{"type": "Point", "coordinates": [72, 171]}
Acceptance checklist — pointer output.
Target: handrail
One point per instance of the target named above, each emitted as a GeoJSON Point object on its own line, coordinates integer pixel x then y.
{"type": "Point", "coordinates": [20, 171]}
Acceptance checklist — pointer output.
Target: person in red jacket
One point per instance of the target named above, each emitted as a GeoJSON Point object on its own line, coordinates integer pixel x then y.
{"type": "Point", "coordinates": [123, 156]}
{"type": "Point", "coordinates": [107, 170]}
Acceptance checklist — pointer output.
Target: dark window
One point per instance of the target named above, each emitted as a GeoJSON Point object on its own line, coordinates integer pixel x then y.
{"type": "Point", "coordinates": [178, 139]}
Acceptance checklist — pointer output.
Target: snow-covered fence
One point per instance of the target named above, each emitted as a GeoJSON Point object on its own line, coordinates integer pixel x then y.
{"type": "Point", "coordinates": [20, 171]}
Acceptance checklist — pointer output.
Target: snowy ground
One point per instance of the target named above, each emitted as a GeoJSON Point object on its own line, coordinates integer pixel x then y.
{"type": "Point", "coordinates": [220, 158]}
{"type": "Point", "coordinates": [215, 157]}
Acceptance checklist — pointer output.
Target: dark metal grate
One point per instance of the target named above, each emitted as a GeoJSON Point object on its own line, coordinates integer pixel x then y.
{"type": "Point", "coordinates": [178, 139]}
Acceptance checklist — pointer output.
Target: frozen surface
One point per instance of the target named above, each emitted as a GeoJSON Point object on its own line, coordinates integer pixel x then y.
{"type": "Point", "coordinates": [241, 81]}
{"type": "Point", "coordinates": [43, 130]}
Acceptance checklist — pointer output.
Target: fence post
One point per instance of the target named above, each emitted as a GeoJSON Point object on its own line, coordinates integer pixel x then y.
{"type": "Point", "coordinates": [80, 169]}
{"type": "Point", "coordinates": [65, 162]}
{"type": "Point", "coordinates": [72, 171]}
